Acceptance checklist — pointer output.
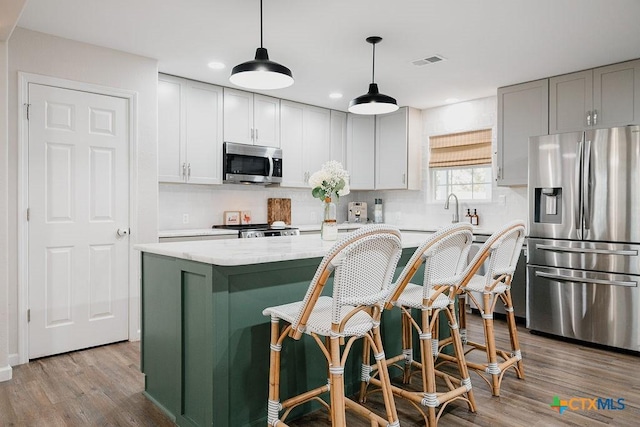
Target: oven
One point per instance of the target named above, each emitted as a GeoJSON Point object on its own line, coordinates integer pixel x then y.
{"type": "Point", "coordinates": [249, 231]}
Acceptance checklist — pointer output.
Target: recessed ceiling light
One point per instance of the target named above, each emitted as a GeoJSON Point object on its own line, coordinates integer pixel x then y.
{"type": "Point", "coordinates": [451, 100]}
{"type": "Point", "coordinates": [335, 95]}
{"type": "Point", "coordinates": [216, 65]}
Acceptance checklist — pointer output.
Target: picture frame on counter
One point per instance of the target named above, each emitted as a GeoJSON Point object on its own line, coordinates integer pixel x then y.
{"type": "Point", "coordinates": [245, 217]}
{"type": "Point", "coordinates": [231, 218]}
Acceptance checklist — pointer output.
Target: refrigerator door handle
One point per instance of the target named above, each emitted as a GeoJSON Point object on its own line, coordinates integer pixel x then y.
{"type": "Point", "coordinates": [586, 187]}
{"type": "Point", "coordinates": [585, 280]}
{"type": "Point", "coordinates": [587, 250]}
{"type": "Point", "coordinates": [578, 206]}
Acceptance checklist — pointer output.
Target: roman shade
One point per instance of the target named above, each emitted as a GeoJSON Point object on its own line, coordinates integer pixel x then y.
{"type": "Point", "coordinates": [460, 149]}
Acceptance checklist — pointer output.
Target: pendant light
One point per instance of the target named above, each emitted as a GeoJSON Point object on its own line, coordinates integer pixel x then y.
{"type": "Point", "coordinates": [261, 73]}
{"type": "Point", "coordinates": [373, 102]}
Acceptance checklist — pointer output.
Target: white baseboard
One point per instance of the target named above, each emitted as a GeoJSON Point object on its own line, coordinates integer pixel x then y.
{"type": "Point", "coordinates": [14, 359]}
{"type": "Point", "coordinates": [5, 373]}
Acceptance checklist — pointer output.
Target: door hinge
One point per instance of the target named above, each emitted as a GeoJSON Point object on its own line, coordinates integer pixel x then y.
{"type": "Point", "coordinates": [28, 212]}
{"type": "Point", "coordinates": [28, 107]}
{"type": "Point", "coordinates": [28, 315]}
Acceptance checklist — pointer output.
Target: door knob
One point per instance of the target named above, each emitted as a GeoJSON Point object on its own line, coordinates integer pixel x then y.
{"type": "Point", "coordinates": [122, 232]}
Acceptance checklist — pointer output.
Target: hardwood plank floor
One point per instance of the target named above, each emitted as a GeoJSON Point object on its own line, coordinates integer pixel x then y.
{"type": "Point", "coordinates": [103, 387]}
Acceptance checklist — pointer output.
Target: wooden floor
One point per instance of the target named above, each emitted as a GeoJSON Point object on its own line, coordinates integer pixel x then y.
{"type": "Point", "coordinates": [103, 387]}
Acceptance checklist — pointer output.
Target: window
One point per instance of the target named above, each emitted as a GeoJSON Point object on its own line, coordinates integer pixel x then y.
{"type": "Point", "coordinates": [460, 163]}
{"type": "Point", "coordinates": [471, 183]}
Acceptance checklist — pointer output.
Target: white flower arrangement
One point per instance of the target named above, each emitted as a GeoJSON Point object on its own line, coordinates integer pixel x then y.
{"type": "Point", "coordinates": [331, 180]}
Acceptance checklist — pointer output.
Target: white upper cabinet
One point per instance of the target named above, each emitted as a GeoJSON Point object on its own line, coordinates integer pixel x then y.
{"type": "Point", "coordinates": [601, 97]}
{"type": "Point", "coordinates": [250, 118]}
{"type": "Point", "coordinates": [361, 151]}
{"type": "Point", "coordinates": [189, 131]}
{"type": "Point", "coordinates": [398, 150]}
{"type": "Point", "coordinates": [339, 136]}
{"type": "Point", "coordinates": [523, 111]}
{"type": "Point", "coordinates": [305, 142]}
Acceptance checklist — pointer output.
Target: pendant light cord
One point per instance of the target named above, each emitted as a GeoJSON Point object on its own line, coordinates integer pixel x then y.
{"type": "Point", "coordinates": [373, 67]}
{"type": "Point", "coordinates": [261, 24]}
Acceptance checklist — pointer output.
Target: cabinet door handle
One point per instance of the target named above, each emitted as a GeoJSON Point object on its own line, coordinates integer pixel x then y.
{"type": "Point", "coordinates": [189, 171]}
{"type": "Point", "coordinates": [404, 176]}
{"type": "Point", "coordinates": [588, 118]}
{"type": "Point", "coordinates": [252, 132]}
{"type": "Point", "coordinates": [184, 170]}
{"type": "Point", "coordinates": [595, 117]}
{"type": "Point", "coordinates": [256, 134]}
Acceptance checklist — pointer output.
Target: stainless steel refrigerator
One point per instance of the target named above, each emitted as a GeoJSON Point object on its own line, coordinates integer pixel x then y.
{"type": "Point", "coordinates": [583, 268]}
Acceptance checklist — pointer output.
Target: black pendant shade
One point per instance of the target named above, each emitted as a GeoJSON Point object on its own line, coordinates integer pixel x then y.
{"type": "Point", "coordinates": [373, 102]}
{"type": "Point", "coordinates": [261, 73]}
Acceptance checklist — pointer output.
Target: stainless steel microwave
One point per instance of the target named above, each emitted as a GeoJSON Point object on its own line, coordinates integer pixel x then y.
{"type": "Point", "coordinates": [251, 164]}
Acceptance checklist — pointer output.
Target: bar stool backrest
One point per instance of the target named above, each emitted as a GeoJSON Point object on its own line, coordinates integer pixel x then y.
{"type": "Point", "coordinates": [502, 249]}
{"type": "Point", "coordinates": [364, 262]}
{"type": "Point", "coordinates": [444, 255]}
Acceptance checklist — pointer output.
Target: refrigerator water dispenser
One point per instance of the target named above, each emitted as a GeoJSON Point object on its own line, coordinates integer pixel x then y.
{"type": "Point", "coordinates": [548, 205]}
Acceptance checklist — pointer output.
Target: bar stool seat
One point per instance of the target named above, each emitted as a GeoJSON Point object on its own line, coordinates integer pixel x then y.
{"type": "Point", "coordinates": [478, 283]}
{"type": "Point", "coordinates": [319, 321]}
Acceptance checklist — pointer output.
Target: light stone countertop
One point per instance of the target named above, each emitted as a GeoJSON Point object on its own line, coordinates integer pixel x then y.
{"type": "Point", "coordinates": [303, 228]}
{"type": "Point", "coordinates": [235, 252]}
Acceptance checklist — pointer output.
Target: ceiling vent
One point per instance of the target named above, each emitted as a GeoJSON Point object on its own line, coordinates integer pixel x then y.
{"type": "Point", "coordinates": [429, 60]}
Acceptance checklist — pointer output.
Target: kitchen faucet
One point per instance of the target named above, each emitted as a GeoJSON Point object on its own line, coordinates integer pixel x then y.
{"type": "Point", "coordinates": [456, 218]}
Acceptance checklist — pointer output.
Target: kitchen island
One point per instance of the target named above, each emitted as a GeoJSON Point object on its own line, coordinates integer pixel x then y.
{"type": "Point", "coordinates": [205, 342]}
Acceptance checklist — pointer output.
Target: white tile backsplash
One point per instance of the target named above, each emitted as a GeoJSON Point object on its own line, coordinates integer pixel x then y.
{"type": "Point", "coordinates": [205, 204]}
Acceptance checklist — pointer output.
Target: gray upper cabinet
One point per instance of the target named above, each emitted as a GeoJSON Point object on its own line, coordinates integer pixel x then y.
{"type": "Point", "coordinates": [523, 111]}
{"type": "Point", "coordinates": [601, 97]}
{"type": "Point", "coordinates": [616, 94]}
{"type": "Point", "coordinates": [361, 151]}
{"type": "Point", "coordinates": [398, 155]}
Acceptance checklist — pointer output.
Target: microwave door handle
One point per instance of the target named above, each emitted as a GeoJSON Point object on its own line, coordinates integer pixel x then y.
{"type": "Point", "coordinates": [270, 166]}
{"type": "Point", "coordinates": [586, 186]}
{"type": "Point", "coordinates": [577, 185]}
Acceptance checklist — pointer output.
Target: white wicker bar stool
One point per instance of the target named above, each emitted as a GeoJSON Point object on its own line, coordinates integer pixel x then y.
{"type": "Point", "coordinates": [444, 256]}
{"type": "Point", "coordinates": [501, 251]}
{"type": "Point", "coordinates": [363, 264]}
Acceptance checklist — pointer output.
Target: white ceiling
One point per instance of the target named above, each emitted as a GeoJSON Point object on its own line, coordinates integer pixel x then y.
{"type": "Point", "coordinates": [487, 43]}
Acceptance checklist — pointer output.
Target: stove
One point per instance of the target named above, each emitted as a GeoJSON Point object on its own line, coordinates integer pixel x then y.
{"type": "Point", "coordinates": [247, 231]}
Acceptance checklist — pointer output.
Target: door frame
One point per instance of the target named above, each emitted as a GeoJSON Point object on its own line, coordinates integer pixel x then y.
{"type": "Point", "coordinates": [24, 80]}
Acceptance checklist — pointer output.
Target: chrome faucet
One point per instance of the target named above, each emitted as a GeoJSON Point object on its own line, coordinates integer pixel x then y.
{"type": "Point", "coordinates": [456, 218]}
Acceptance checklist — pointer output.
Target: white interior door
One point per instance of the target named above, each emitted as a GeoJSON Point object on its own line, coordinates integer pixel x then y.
{"type": "Point", "coordinates": [78, 204]}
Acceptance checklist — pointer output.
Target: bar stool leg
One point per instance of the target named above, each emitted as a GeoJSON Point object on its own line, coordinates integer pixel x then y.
{"type": "Point", "coordinates": [407, 345]}
{"type": "Point", "coordinates": [428, 368]}
{"type": "Point", "coordinates": [273, 404]}
{"type": "Point", "coordinates": [493, 369]}
{"type": "Point", "coordinates": [459, 352]}
{"type": "Point", "coordinates": [336, 375]}
{"type": "Point", "coordinates": [462, 317]}
{"type": "Point", "coordinates": [513, 333]}
{"type": "Point", "coordinates": [365, 370]}
{"type": "Point", "coordinates": [383, 374]}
